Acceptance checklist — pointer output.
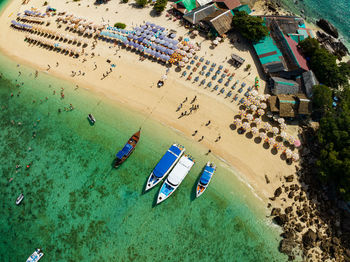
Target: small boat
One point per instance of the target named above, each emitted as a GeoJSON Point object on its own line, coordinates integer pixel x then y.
{"type": "Point", "coordinates": [35, 256]}
{"type": "Point", "coordinates": [205, 178]}
{"type": "Point", "coordinates": [129, 147]}
{"type": "Point", "coordinates": [91, 119]}
{"type": "Point", "coordinates": [175, 178]}
{"type": "Point", "coordinates": [19, 199]}
{"type": "Point", "coordinates": [164, 166]}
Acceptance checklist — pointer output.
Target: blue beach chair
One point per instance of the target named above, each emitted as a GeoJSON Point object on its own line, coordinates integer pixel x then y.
{"type": "Point", "coordinates": [214, 77]}
{"type": "Point", "coordinates": [220, 80]}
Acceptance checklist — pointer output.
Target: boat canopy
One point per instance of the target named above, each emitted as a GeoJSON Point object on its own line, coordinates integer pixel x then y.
{"type": "Point", "coordinates": [125, 151]}
{"type": "Point", "coordinates": [206, 175]}
{"type": "Point", "coordinates": [167, 160]}
{"type": "Point", "coordinates": [166, 189]}
{"type": "Point", "coordinates": [180, 170]}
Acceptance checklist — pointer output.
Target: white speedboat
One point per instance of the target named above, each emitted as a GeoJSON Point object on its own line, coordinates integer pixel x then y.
{"type": "Point", "coordinates": [175, 178]}
{"type": "Point", "coordinates": [35, 256]}
{"type": "Point", "coordinates": [205, 178]}
{"type": "Point", "coordinates": [164, 166]}
{"type": "Point", "coordinates": [19, 199]}
{"type": "Point", "coordinates": [91, 119]}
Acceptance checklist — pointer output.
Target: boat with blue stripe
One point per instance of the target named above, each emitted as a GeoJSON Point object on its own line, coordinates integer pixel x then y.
{"type": "Point", "coordinates": [127, 150]}
{"type": "Point", "coordinates": [165, 165]}
{"type": "Point", "coordinates": [175, 178]}
{"type": "Point", "coordinates": [35, 256]}
{"type": "Point", "coordinates": [205, 178]}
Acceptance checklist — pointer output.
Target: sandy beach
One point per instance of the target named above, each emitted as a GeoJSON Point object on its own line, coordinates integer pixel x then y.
{"type": "Point", "coordinates": [133, 83]}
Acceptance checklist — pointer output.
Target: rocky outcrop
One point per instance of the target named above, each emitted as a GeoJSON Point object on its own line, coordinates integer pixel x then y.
{"type": "Point", "coordinates": [309, 239]}
{"type": "Point", "coordinates": [278, 192]}
{"type": "Point", "coordinates": [333, 45]}
{"type": "Point", "coordinates": [286, 246]}
{"type": "Point", "coordinates": [328, 27]}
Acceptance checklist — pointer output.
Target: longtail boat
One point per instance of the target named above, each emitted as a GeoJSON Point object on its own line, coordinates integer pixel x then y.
{"type": "Point", "coordinates": [129, 147]}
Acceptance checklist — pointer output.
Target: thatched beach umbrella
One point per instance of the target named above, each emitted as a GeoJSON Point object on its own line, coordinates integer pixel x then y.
{"type": "Point", "coordinates": [242, 113]}
{"type": "Point", "coordinates": [262, 135]}
{"type": "Point", "coordinates": [272, 141]}
{"type": "Point", "coordinates": [263, 105]}
{"type": "Point", "coordinates": [281, 120]}
{"type": "Point", "coordinates": [283, 135]}
{"type": "Point", "coordinates": [253, 107]}
{"type": "Point", "coordinates": [261, 112]}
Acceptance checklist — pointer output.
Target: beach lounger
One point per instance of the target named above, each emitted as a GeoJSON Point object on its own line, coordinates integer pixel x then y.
{"type": "Point", "coordinates": [207, 62]}
{"type": "Point", "coordinates": [209, 84]}
{"type": "Point", "coordinates": [216, 87]}
{"type": "Point", "coordinates": [184, 73]}
{"type": "Point", "coordinates": [194, 69]}
{"type": "Point", "coordinates": [189, 77]}
{"type": "Point", "coordinates": [188, 67]}
{"type": "Point", "coordinates": [235, 98]}
{"type": "Point", "coordinates": [201, 73]}
{"type": "Point", "coordinates": [201, 59]}
{"type": "Point", "coordinates": [213, 65]}
{"type": "Point", "coordinates": [222, 90]}
{"type": "Point", "coordinates": [198, 64]}
{"type": "Point", "coordinates": [227, 83]}
{"type": "Point", "coordinates": [207, 74]}
{"type": "Point", "coordinates": [246, 94]}
{"type": "Point", "coordinates": [218, 72]}
{"type": "Point", "coordinates": [211, 69]}
{"type": "Point", "coordinates": [240, 90]}
{"type": "Point", "coordinates": [221, 67]}
{"type": "Point", "coordinates": [226, 70]}
{"type": "Point", "coordinates": [250, 88]}
{"type": "Point", "coordinates": [192, 62]}
{"type": "Point", "coordinates": [204, 67]}
{"type": "Point", "coordinates": [229, 93]}
{"type": "Point", "coordinates": [233, 87]}
{"type": "Point", "coordinates": [220, 80]}
{"type": "Point", "coordinates": [242, 100]}
{"type": "Point", "coordinates": [237, 82]}
{"type": "Point", "coordinates": [196, 78]}
{"type": "Point", "coordinates": [203, 82]}
{"type": "Point", "coordinates": [223, 75]}
{"type": "Point", "coordinates": [243, 84]}
{"type": "Point", "coordinates": [214, 77]}
{"type": "Point", "coordinates": [195, 57]}
{"type": "Point", "coordinates": [230, 78]}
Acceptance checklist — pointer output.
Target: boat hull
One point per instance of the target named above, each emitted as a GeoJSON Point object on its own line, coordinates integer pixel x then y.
{"type": "Point", "coordinates": [19, 199]}
{"type": "Point", "coordinates": [132, 142]}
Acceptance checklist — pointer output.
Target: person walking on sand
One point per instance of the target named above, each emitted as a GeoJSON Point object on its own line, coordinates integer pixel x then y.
{"type": "Point", "coordinates": [57, 64]}
{"type": "Point", "coordinates": [208, 123]}
{"type": "Point", "coordinates": [201, 139]}
{"type": "Point", "coordinates": [195, 132]}
{"type": "Point", "coordinates": [185, 100]}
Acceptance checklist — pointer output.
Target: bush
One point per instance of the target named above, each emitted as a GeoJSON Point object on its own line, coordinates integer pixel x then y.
{"type": "Point", "coordinates": [120, 25]}
{"type": "Point", "coordinates": [251, 27]}
{"type": "Point", "coordinates": [125, 1]}
{"type": "Point", "coordinates": [160, 5]}
{"type": "Point", "coordinates": [45, 3]}
{"type": "Point", "coordinates": [141, 3]}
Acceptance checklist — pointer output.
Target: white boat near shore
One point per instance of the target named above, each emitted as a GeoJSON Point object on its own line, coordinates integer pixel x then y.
{"type": "Point", "coordinates": [165, 165]}
{"type": "Point", "coordinates": [175, 178]}
{"type": "Point", "coordinates": [36, 256]}
{"type": "Point", "coordinates": [19, 199]}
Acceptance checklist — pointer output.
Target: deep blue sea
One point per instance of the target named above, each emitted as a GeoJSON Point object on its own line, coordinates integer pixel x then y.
{"type": "Point", "coordinates": [337, 12]}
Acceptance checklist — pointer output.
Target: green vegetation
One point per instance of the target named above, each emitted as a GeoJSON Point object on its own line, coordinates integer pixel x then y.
{"type": "Point", "coordinates": [141, 3]}
{"type": "Point", "coordinates": [45, 3]}
{"type": "Point", "coordinates": [250, 27]}
{"type": "Point", "coordinates": [334, 141]}
{"type": "Point", "coordinates": [125, 1]}
{"type": "Point", "coordinates": [324, 64]}
{"type": "Point", "coordinates": [160, 5]}
{"type": "Point", "coordinates": [321, 100]}
{"type": "Point", "coordinates": [120, 25]}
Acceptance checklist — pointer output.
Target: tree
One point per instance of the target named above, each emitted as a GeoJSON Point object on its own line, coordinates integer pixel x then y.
{"type": "Point", "coordinates": [160, 5]}
{"type": "Point", "coordinates": [324, 64]}
{"type": "Point", "coordinates": [251, 27]}
{"type": "Point", "coordinates": [334, 140]}
{"type": "Point", "coordinates": [321, 99]}
{"type": "Point", "coordinates": [141, 3]}
{"type": "Point", "coordinates": [120, 25]}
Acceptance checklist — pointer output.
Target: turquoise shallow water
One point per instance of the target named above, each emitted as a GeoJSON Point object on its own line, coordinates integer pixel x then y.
{"type": "Point", "coordinates": [77, 208]}
{"type": "Point", "coordinates": [336, 12]}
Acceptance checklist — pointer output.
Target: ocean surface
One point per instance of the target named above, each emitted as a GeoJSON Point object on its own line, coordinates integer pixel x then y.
{"type": "Point", "coordinates": [337, 12]}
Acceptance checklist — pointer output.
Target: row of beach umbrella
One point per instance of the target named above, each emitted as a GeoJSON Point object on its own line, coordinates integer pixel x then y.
{"type": "Point", "coordinates": [20, 25]}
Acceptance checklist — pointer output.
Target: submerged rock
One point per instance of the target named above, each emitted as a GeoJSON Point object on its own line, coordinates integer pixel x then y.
{"type": "Point", "coordinates": [309, 239]}
{"type": "Point", "coordinates": [286, 246]}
